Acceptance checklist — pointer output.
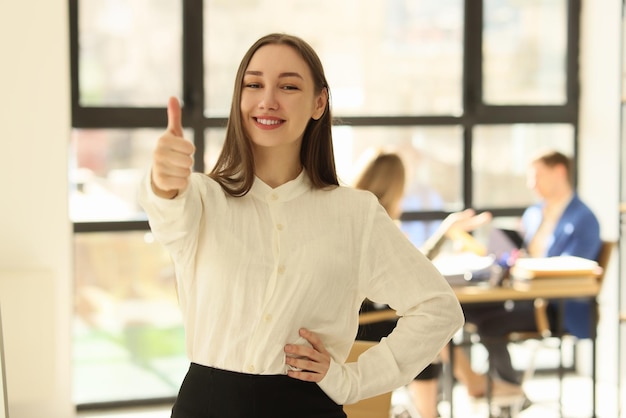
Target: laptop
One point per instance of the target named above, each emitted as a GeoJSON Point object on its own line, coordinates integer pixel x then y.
{"type": "Point", "coordinates": [503, 243]}
{"type": "Point", "coordinates": [4, 402]}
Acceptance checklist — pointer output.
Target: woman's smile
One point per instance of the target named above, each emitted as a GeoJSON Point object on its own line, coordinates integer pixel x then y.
{"type": "Point", "coordinates": [268, 122]}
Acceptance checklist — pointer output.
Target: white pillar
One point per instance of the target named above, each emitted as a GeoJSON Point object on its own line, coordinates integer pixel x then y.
{"type": "Point", "coordinates": [35, 232]}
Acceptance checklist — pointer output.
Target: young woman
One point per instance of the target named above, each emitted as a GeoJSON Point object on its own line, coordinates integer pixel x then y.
{"type": "Point", "coordinates": [273, 258]}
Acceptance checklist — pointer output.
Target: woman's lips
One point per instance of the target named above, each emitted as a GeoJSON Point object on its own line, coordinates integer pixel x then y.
{"type": "Point", "coordinates": [267, 123]}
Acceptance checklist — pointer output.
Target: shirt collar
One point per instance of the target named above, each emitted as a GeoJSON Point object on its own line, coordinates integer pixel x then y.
{"type": "Point", "coordinates": [284, 192]}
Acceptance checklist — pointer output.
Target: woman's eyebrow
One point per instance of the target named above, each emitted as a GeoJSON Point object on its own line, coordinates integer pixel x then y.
{"type": "Point", "coordinates": [281, 75]}
{"type": "Point", "coordinates": [290, 74]}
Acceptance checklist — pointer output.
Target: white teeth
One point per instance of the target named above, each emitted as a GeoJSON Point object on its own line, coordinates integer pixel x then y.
{"type": "Point", "coordinates": [268, 121]}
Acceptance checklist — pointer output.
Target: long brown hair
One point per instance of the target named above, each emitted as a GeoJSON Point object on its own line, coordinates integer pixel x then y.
{"type": "Point", "coordinates": [234, 169]}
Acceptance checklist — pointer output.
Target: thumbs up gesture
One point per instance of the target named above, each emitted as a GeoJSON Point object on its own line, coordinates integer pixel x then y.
{"type": "Point", "coordinates": [172, 159]}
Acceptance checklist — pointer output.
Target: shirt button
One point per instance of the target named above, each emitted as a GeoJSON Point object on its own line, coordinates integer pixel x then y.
{"type": "Point", "coordinates": [281, 269]}
{"type": "Point", "coordinates": [280, 227]}
{"type": "Point", "coordinates": [251, 368]}
{"type": "Point", "coordinates": [274, 196]}
{"type": "Point", "coordinates": [267, 318]}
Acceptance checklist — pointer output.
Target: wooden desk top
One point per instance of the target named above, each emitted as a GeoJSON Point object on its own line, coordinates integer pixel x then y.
{"type": "Point", "coordinates": [479, 294]}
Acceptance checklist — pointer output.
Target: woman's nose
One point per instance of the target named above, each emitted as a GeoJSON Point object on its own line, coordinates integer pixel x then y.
{"type": "Point", "coordinates": [268, 100]}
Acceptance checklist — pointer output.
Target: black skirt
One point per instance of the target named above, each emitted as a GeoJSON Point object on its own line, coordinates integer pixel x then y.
{"type": "Point", "coordinates": [207, 392]}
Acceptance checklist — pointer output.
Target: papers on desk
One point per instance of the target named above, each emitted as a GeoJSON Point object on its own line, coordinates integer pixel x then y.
{"type": "Point", "coordinates": [538, 268]}
{"type": "Point", "coordinates": [551, 271]}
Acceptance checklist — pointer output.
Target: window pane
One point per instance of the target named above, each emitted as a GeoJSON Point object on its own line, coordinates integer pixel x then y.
{"type": "Point", "coordinates": [106, 166]}
{"type": "Point", "coordinates": [130, 52]}
{"type": "Point", "coordinates": [389, 57]}
{"type": "Point", "coordinates": [213, 142]}
{"type": "Point", "coordinates": [501, 155]}
{"type": "Point", "coordinates": [524, 52]}
{"type": "Point", "coordinates": [128, 335]}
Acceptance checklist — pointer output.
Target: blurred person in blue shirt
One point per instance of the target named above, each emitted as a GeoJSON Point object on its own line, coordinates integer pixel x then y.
{"type": "Point", "coordinates": [560, 224]}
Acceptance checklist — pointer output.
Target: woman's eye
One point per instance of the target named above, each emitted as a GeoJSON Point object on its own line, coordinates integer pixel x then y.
{"type": "Point", "coordinates": [253, 85]}
{"type": "Point", "coordinates": [289, 87]}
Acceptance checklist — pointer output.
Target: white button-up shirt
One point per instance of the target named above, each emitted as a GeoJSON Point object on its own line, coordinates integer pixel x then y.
{"type": "Point", "coordinates": [252, 270]}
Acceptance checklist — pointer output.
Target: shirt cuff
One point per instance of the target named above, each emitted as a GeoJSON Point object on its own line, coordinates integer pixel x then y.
{"type": "Point", "coordinates": [334, 384]}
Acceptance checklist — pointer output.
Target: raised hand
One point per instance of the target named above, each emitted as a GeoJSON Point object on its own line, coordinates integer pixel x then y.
{"type": "Point", "coordinates": [309, 363]}
{"type": "Point", "coordinates": [467, 220]}
{"type": "Point", "coordinates": [172, 159]}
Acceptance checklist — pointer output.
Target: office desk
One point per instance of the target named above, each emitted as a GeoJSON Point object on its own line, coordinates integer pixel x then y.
{"type": "Point", "coordinates": [480, 294]}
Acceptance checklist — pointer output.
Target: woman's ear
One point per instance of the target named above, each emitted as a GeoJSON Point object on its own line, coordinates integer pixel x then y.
{"type": "Point", "coordinates": [320, 104]}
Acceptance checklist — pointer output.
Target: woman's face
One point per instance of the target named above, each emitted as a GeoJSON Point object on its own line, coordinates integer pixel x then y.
{"type": "Point", "coordinates": [278, 97]}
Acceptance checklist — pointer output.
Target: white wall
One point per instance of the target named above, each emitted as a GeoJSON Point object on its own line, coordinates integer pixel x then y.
{"type": "Point", "coordinates": [599, 151]}
{"type": "Point", "coordinates": [35, 233]}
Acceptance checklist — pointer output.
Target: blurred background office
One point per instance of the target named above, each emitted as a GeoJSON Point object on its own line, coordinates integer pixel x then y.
{"type": "Point", "coordinates": [466, 90]}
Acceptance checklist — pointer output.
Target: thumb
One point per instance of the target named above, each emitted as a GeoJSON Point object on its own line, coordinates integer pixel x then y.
{"type": "Point", "coordinates": [174, 118]}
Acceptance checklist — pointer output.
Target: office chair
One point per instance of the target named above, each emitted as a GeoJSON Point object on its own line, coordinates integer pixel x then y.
{"type": "Point", "coordinates": [375, 407]}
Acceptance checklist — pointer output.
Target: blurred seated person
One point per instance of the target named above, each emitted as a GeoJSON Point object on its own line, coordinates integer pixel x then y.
{"type": "Point", "coordinates": [384, 176]}
{"type": "Point", "coordinates": [559, 225]}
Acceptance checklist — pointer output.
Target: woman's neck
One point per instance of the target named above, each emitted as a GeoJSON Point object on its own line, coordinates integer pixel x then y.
{"type": "Point", "coordinates": [276, 169]}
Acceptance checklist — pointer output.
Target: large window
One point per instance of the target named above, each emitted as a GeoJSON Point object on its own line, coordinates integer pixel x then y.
{"type": "Point", "coordinates": [465, 90]}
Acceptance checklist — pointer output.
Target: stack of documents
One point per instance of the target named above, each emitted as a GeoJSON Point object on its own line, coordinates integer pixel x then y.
{"type": "Point", "coordinates": [553, 271]}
